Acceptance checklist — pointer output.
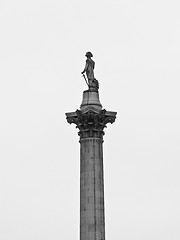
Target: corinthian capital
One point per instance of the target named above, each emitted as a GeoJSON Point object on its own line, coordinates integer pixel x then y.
{"type": "Point", "coordinates": [91, 122]}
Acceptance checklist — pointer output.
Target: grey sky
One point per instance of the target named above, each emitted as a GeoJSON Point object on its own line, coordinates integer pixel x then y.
{"type": "Point", "coordinates": [137, 53]}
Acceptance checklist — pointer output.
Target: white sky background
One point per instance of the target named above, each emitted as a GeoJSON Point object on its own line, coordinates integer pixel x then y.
{"type": "Point", "coordinates": [136, 47]}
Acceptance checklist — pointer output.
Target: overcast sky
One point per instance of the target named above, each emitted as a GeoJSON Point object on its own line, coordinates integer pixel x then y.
{"type": "Point", "coordinates": [136, 47]}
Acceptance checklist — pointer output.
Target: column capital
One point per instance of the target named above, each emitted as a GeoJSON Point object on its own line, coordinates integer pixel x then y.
{"type": "Point", "coordinates": [91, 121]}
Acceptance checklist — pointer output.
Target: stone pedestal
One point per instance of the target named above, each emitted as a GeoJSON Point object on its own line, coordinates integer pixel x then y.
{"type": "Point", "coordinates": [91, 120]}
{"type": "Point", "coordinates": [90, 98]}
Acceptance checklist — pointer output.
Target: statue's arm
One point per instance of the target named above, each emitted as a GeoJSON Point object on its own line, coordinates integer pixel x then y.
{"type": "Point", "coordinates": [85, 68]}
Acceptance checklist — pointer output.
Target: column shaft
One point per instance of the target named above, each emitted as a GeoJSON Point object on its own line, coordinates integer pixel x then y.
{"type": "Point", "coordinates": [92, 223]}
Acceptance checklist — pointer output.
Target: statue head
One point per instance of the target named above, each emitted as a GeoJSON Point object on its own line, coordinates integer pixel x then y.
{"type": "Point", "coordinates": [89, 54]}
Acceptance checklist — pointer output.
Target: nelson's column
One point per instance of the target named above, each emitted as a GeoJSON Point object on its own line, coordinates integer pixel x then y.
{"type": "Point", "coordinates": [91, 120]}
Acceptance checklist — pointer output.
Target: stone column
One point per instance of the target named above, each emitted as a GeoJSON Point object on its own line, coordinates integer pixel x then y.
{"type": "Point", "coordinates": [91, 120]}
{"type": "Point", "coordinates": [91, 190]}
